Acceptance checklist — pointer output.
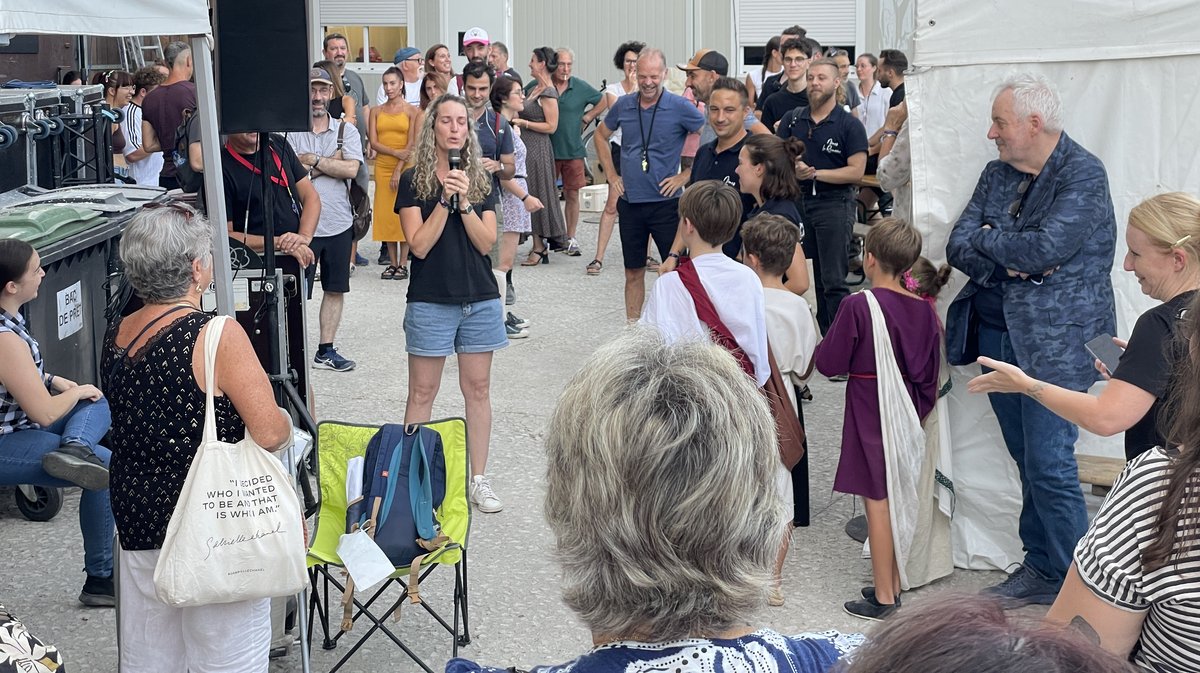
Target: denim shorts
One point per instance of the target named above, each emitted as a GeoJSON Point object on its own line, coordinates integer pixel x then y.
{"type": "Point", "coordinates": [438, 330]}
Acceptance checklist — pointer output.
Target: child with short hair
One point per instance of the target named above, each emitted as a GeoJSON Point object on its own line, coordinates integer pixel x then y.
{"type": "Point", "coordinates": [769, 242]}
{"type": "Point", "coordinates": [729, 293]}
{"type": "Point", "coordinates": [888, 340]}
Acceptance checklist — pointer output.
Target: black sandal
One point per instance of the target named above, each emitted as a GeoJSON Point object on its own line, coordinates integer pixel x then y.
{"type": "Point", "coordinates": [594, 267]}
{"type": "Point", "coordinates": [401, 273]}
{"type": "Point", "coordinates": [543, 258]}
{"type": "Point", "coordinates": [389, 273]}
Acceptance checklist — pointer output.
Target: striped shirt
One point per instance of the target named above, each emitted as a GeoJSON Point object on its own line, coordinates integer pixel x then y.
{"type": "Point", "coordinates": [12, 416]}
{"type": "Point", "coordinates": [1109, 559]}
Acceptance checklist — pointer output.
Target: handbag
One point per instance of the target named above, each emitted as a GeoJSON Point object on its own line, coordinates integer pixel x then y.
{"type": "Point", "coordinates": [360, 201]}
{"type": "Point", "coordinates": [237, 532]}
{"type": "Point", "coordinates": [23, 652]}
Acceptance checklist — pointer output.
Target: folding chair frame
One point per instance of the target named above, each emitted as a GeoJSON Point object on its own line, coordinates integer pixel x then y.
{"type": "Point", "coordinates": [322, 582]}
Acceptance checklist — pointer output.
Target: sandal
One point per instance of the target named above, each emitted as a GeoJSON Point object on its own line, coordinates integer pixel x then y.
{"type": "Point", "coordinates": [536, 257]}
{"type": "Point", "coordinates": [389, 273]}
{"type": "Point", "coordinates": [594, 267]}
{"type": "Point", "coordinates": [651, 264]}
{"type": "Point", "coordinates": [401, 273]}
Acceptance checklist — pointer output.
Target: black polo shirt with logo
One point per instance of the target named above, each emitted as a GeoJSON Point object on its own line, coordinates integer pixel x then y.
{"type": "Point", "coordinates": [722, 166]}
{"type": "Point", "coordinates": [829, 144]}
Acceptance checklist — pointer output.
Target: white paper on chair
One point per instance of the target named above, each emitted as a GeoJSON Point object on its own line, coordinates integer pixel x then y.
{"type": "Point", "coordinates": [364, 560]}
{"type": "Point", "coordinates": [354, 476]}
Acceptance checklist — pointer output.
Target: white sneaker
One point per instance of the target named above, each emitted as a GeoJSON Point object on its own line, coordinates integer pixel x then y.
{"type": "Point", "coordinates": [483, 496]}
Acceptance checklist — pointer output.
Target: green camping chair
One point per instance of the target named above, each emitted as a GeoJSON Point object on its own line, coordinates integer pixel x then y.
{"type": "Point", "coordinates": [337, 443]}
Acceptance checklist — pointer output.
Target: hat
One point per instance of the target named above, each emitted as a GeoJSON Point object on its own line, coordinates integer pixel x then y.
{"type": "Point", "coordinates": [320, 75]}
{"type": "Point", "coordinates": [707, 59]}
{"type": "Point", "coordinates": [405, 53]}
{"type": "Point", "coordinates": [474, 35]}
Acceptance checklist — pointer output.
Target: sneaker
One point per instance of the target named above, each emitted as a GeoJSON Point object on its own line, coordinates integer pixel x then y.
{"type": "Point", "coordinates": [98, 592]}
{"type": "Point", "coordinates": [572, 248]}
{"type": "Point", "coordinates": [869, 593]}
{"type": "Point", "coordinates": [515, 332]}
{"type": "Point", "coordinates": [510, 295]}
{"type": "Point", "coordinates": [483, 496]}
{"type": "Point", "coordinates": [869, 608]}
{"type": "Point", "coordinates": [806, 393]}
{"type": "Point", "coordinates": [359, 260]}
{"type": "Point", "coordinates": [331, 359]}
{"type": "Point", "coordinates": [512, 319]}
{"type": "Point", "coordinates": [77, 464]}
{"type": "Point", "coordinates": [1024, 587]}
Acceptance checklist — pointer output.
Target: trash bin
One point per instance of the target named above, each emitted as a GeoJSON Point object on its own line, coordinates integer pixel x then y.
{"type": "Point", "coordinates": [67, 317]}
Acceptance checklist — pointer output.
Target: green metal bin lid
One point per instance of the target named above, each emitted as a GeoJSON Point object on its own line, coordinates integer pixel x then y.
{"type": "Point", "coordinates": [42, 224]}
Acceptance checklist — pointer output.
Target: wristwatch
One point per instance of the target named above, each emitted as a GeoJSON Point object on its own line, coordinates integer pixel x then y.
{"type": "Point", "coordinates": [466, 209]}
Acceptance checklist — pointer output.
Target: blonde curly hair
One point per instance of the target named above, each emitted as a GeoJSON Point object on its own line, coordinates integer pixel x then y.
{"type": "Point", "coordinates": [425, 180]}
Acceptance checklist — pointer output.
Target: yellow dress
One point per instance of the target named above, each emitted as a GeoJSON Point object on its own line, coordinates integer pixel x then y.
{"type": "Point", "coordinates": [392, 130]}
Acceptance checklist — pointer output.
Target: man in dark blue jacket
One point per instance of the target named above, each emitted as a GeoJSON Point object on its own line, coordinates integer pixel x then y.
{"type": "Point", "coordinates": [1037, 240]}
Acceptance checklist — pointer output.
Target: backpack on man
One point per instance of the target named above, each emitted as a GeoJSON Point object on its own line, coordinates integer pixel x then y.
{"type": "Point", "coordinates": [190, 181]}
{"type": "Point", "coordinates": [360, 201]}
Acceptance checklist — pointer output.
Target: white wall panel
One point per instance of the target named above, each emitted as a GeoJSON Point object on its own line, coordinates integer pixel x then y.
{"type": "Point", "coordinates": [364, 12]}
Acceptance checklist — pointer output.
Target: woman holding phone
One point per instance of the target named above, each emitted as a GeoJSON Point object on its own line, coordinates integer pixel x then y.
{"type": "Point", "coordinates": [1164, 255]}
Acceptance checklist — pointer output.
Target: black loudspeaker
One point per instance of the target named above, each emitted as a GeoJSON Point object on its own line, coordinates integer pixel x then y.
{"type": "Point", "coordinates": [262, 65]}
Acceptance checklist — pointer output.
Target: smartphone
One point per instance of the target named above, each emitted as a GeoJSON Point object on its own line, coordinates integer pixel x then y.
{"type": "Point", "coordinates": [1103, 349]}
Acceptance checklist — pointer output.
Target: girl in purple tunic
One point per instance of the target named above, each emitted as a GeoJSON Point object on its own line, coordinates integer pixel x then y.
{"type": "Point", "coordinates": [892, 246]}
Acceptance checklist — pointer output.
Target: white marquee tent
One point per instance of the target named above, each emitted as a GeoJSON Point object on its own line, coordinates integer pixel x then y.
{"type": "Point", "coordinates": [1129, 77]}
{"type": "Point", "coordinates": [147, 17]}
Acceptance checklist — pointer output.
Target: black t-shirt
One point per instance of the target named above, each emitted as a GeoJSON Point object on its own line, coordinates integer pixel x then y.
{"type": "Point", "coordinates": [244, 186]}
{"type": "Point", "coordinates": [454, 271]}
{"type": "Point", "coordinates": [783, 208]}
{"type": "Point", "coordinates": [779, 104]}
{"type": "Point", "coordinates": [828, 144]}
{"type": "Point", "coordinates": [770, 86]}
{"type": "Point", "coordinates": [897, 96]}
{"type": "Point", "coordinates": [1149, 364]}
{"type": "Point", "coordinates": [722, 166]}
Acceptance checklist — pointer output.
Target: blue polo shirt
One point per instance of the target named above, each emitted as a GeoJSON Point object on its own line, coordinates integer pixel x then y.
{"type": "Point", "coordinates": [665, 131]}
{"type": "Point", "coordinates": [495, 139]}
{"type": "Point", "coordinates": [829, 144]}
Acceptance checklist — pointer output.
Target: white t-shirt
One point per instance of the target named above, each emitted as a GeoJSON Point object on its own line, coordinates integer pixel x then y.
{"type": "Point", "coordinates": [617, 90]}
{"type": "Point", "coordinates": [412, 92]}
{"type": "Point", "coordinates": [792, 334]}
{"type": "Point", "coordinates": [756, 76]}
{"type": "Point", "coordinates": [145, 171]}
{"type": "Point", "coordinates": [736, 293]}
{"type": "Point", "coordinates": [873, 109]}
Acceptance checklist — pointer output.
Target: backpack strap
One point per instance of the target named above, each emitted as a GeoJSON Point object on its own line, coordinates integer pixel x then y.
{"type": "Point", "coordinates": [341, 137]}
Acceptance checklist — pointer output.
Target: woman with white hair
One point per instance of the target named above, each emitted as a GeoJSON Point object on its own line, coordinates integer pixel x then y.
{"type": "Point", "coordinates": [673, 443]}
{"type": "Point", "coordinates": [153, 375]}
{"type": "Point", "coordinates": [454, 307]}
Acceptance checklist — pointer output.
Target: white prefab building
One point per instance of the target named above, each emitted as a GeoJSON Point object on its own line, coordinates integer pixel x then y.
{"type": "Point", "coordinates": [737, 28]}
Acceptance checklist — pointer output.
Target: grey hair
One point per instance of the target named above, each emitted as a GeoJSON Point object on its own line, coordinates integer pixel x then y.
{"type": "Point", "coordinates": [500, 46]}
{"type": "Point", "coordinates": [654, 52]}
{"type": "Point", "coordinates": [1034, 95]}
{"type": "Point", "coordinates": [174, 51]}
{"type": "Point", "coordinates": [158, 248]}
{"type": "Point", "coordinates": [660, 489]}
{"type": "Point", "coordinates": [568, 51]}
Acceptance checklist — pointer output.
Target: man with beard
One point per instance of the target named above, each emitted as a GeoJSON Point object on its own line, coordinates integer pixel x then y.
{"type": "Point", "coordinates": [656, 123]}
{"type": "Point", "coordinates": [892, 64]}
{"type": "Point", "coordinates": [336, 49]}
{"type": "Point", "coordinates": [332, 155]}
{"type": "Point", "coordinates": [797, 53]}
{"type": "Point", "coordinates": [494, 131]}
{"type": "Point", "coordinates": [833, 164]}
{"type": "Point", "coordinates": [476, 45]}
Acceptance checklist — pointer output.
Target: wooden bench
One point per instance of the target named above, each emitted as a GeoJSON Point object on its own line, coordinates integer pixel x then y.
{"type": "Point", "coordinates": [1098, 471]}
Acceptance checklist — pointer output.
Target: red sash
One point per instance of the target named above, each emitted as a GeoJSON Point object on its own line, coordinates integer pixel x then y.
{"type": "Point", "coordinates": [721, 335]}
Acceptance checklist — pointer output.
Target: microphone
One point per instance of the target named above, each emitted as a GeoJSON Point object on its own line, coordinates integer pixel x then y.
{"type": "Point", "coordinates": [455, 157]}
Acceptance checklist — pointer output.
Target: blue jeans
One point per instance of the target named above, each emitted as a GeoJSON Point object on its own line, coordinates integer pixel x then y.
{"type": "Point", "coordinates": [1053, 513]}
{"type": "Point", "coordinates": [21, 463]}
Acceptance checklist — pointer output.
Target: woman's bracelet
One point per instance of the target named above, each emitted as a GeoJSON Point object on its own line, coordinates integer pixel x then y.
{"type": "Point", "coordinates": [525, 197]}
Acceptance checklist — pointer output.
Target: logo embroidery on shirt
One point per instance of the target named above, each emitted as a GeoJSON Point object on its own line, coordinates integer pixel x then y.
{"type": "Point", "coordinates": [831, 146]}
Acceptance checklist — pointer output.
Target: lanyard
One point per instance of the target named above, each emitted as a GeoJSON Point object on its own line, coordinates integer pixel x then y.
{"type": "Point", "coordinates": [282, 180]}
{"type": "Point", "coordinates": [645, 136]}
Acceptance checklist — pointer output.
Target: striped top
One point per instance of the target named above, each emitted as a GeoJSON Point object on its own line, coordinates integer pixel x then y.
{"type": "Point", "coordinates": [1109, 559]}
{"type": "Point", "coordinates": [12, 416]}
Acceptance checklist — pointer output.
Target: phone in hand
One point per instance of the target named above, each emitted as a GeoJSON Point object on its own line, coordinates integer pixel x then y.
{"type": "Point", "coordinates": [1103, 349]}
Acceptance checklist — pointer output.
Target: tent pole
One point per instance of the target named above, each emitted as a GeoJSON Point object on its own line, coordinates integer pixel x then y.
{"type": "Point", "coordinates": [214, 184]}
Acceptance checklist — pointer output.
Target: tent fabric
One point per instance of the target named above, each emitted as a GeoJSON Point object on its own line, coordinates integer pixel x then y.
{"type": "Point", "coordinates": [107, 19]}
{"type": "Point", "coordinates": [952, 32]}
{"type": "Point", "coordinates": [1146, 142]}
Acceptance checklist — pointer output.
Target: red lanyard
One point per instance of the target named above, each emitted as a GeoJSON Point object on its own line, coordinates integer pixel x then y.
{"type": "Point", "coordinates": [282, 180]}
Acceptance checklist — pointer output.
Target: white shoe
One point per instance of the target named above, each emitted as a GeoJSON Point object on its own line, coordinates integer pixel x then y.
{"type": "Point", "coordinates": [483, 496]}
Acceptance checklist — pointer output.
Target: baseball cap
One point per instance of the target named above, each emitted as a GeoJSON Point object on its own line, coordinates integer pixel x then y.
{"type": "Point", "coordinates": [474, 35]}
{"type": "Point", "coordinates": [707, 59]}
{"type": "Point", "coordinates": [405, 53]}
{"type": "Point", "coordinates": [320, 75]}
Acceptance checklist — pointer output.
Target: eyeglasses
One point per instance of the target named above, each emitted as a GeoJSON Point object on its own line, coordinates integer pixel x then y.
{"type": "Point", "coordinates": [794, 60]}
{"type": "Point", "coordinates": [415, 59]}
{"type": "Point", "coordinates": [631, 61]}
{"type": "Point", "coordinates": [183, 209]}
{"type": "Point", "coordinates": [1014, 208]}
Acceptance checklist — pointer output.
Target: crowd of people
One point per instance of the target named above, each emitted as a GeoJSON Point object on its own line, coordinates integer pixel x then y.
{"type": "Point", "coordinates": [465, 163]}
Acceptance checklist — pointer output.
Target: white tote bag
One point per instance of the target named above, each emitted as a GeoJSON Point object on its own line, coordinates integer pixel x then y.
{"type": "Point", "coordinates": [237, 531]}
